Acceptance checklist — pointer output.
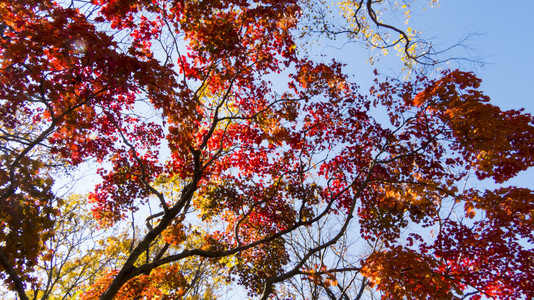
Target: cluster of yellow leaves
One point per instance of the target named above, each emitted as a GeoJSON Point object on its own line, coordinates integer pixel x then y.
{"type": "Point", "coordinates": [361, 25]}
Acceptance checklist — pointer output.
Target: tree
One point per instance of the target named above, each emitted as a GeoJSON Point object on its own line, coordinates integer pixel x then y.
{"type": "Point", "coordinates": [74, 256]}
{"type": "Point", "coordinates": [332, 273]}
{"type": "Point", "coordinates": [236, 164]}
{"type": "Point", "coordinates": [382, 26]}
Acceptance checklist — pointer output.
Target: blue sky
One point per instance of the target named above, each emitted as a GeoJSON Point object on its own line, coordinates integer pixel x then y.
{"type": "Point", "coordinates": [504, 42]}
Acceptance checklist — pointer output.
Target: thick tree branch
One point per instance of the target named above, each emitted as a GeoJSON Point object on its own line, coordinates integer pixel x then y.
{"type": "Point", "coordinates": [17, 282]}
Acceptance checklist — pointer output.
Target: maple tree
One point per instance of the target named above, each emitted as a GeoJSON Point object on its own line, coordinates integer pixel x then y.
{"type": "Point", "coordinates": [176, 102]}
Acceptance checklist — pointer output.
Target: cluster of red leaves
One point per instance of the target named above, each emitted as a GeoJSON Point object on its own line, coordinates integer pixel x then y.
{"type": "Point", "coordinates": [64, 85]}
{"type": "Point", "coordinates": [489, 254]}
{"type": "Point", "coordinates": [498, 144]}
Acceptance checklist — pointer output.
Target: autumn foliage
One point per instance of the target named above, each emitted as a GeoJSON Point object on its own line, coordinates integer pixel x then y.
{"type": "Point", "coordinates": [202, 117]}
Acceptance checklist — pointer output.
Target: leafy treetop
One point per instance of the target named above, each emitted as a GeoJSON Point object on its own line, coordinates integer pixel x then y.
{"type": "Point", "coordinates": [254, 162]}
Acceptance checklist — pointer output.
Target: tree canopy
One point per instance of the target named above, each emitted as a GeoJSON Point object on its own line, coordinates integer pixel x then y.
{"type": "Point", "coordinates": [249, 163]}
